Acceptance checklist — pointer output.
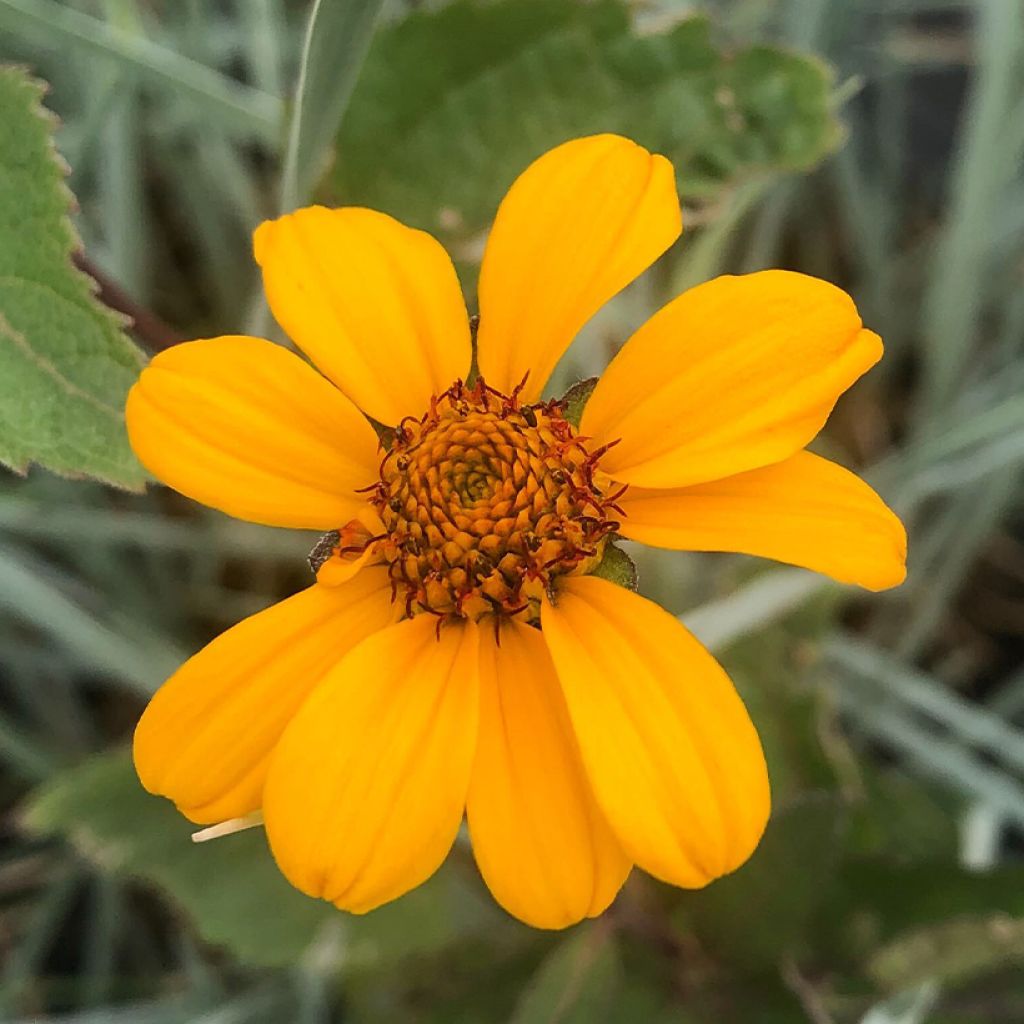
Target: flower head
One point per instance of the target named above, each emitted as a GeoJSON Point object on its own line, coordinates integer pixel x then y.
{"type": "Point", "coordinates": [485, 503]}
{"type": "Point", "coordinates": [456, 656]}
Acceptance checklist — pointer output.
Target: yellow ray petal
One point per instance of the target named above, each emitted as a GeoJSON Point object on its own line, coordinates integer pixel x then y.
{"type": "Point", "coordinates": [206, 737]}
{"type": "Point", "coordinates": [673, 758]}
{"type": "Point", "coordinates": [247, 427]}
{"type": "Point", "coordinates": [805, 510]}
{"type": "Point", "coordinates": [544, 849]}
{"type": "Point", "coordinates": [734, 374]}
{"type": "Point", "coordinates": [376, 305]}
{"type": "Point", "coordinates": [367, 787]}
{"type": "Point", "coordinates": [576, 227]}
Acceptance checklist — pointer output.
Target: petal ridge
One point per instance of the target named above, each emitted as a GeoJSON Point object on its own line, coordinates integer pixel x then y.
{"type": "Point", "coordinates": [367, 788]}
{"type": "Point", "coordinates": [734, 374]}
{"type": "Point", "coordinates": [247, 427]}
{"type": "Point", "coordinates": [362, 295]}
{"type": "Point", "coordinates": [805, 510]}
{"type": "Point", "coordinates": [675, 764]}
{"type": "Point", "coordinates": [575, 228]}
{"type": "Point", "coordinates": [542, 847]}
{"type": "Point", "coordinates": [207, 734]}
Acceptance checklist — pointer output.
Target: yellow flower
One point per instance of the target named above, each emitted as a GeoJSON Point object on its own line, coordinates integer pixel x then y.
{"type": "Point", "coordinates": [454, 656]}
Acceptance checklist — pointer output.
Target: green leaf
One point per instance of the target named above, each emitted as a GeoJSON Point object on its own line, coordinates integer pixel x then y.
{"type": "Point", "coordinates": [773, 669]}
{"type": "Point", "coordinates": [575, 983]}
{"type": "Point", "coordinates": [65, 363]}
{"type": "Point", "coordinates": [231, 887]}
{"type": "Point", "coordinates": [893, 898]}
{"type": "Point", "coordinates": [908, 1007]}
{"type": "Point", "coordinates": [453, 103]}
{"type": "Point", "coordinates": [242, 110]}
{"type": "Point", "coordinates": [952, 952]}
{"type": "Point", "coordinates": [904, 818]}
{"type": "Point", "coordinates": [617, 567]}
{"type": "Point", "coordinates": [338, 36]}
{"type": "Point", "coordinates": [759, 914]}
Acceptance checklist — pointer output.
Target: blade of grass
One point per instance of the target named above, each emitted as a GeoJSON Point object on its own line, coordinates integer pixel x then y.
{"type": "Point", "coordinates": [28, 591]}
{"type": "Point", "coordinates": [911, 1006]}
{"type": "Point", "coordinates": [1008, 700]}
{"type": "Point", "coordinates": [338, 36]}
{"type": "Point", "coordinates": [935, 756]}
{"type": "Point", "coordinates": [99, 527]}
{"type": "Point", "coordinates": [971, 723]}
{"type": "Point", "coordinates": [768, 598]}
{"type": "Point", "coordinates": [986, 165]}
{"type": "Point", "coordinates": [702, 258]}
{"type": "Point", "coordinates": [48, 911]}
{"type": "Point", "coordinates": [972, 521]}
{"type": "Point", "coordinates": [266, 31]}
{"type": "Point", "coordinates": [240, 108]}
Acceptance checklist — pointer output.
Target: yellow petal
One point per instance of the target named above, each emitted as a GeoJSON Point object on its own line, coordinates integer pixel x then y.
{"type": "Point", "coordinates": [672, 756]}
{"type": "Point", "coordinates": [376, 305]}
{"type": "Point", "coordinates": [734, 374]}
{"type": "Point", "coordinates": [576, 227]}
{"type": "Point", "coordinates": [247, 427]}
{"type": "Point", "coordinates": [206, 737]}
{"type": "Point", "coordinates": [337, 570]}
{"type": "Point", "coordinates": [367, 787]}
{"type": "Point", "coordinates": [805, 510]}
{"type": "Point", "coordinates": [543, 848]}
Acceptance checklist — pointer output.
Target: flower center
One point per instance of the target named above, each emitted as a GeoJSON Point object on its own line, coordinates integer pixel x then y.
{"type": "Point", "coordinates": [485, 502]}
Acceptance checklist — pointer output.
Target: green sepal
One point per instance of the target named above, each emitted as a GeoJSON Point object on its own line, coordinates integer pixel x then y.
{"type": "Point", "coordinates": [617, 567]}
{"type": "Point", "coordinates": [576, 399]}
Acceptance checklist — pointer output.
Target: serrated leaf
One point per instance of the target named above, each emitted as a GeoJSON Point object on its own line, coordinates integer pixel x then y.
{"type": "Point", "coordinates": [575, 983]}
{"type": "Point", "coordinates": [453, 103]}
{"type": "Point", "coordinates": [65, 363]}
{"type": "Point", "coordinates": [230, 887]}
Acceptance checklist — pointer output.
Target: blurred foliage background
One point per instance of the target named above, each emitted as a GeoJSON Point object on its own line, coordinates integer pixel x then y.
{"type": "Point", "coordinates": [875, 143]}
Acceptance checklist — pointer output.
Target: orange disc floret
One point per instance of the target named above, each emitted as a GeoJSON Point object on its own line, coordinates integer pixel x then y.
{"type": "Point", "coordinates": [485, 502]}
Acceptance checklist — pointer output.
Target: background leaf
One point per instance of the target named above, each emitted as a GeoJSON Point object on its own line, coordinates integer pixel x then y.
{"type": "Point", "coordinates": [245, 111]}
{"type": "Point", "coordinates": [173, 126]}
{"type": "Point", "coordinates": [576, 983]}
{"type": "Point", "coordinates": [65, 363]}
{"type": "Point", "coordinates": [338, 35]}
{"type": "Point", "coordinates": [954, 951]}
{"type": "Point", "coordinates": [438, 145]}
{"type": "Point", "coordinates": [759, 915]}
{"type": "Point", "coordinates": [230, 887]}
